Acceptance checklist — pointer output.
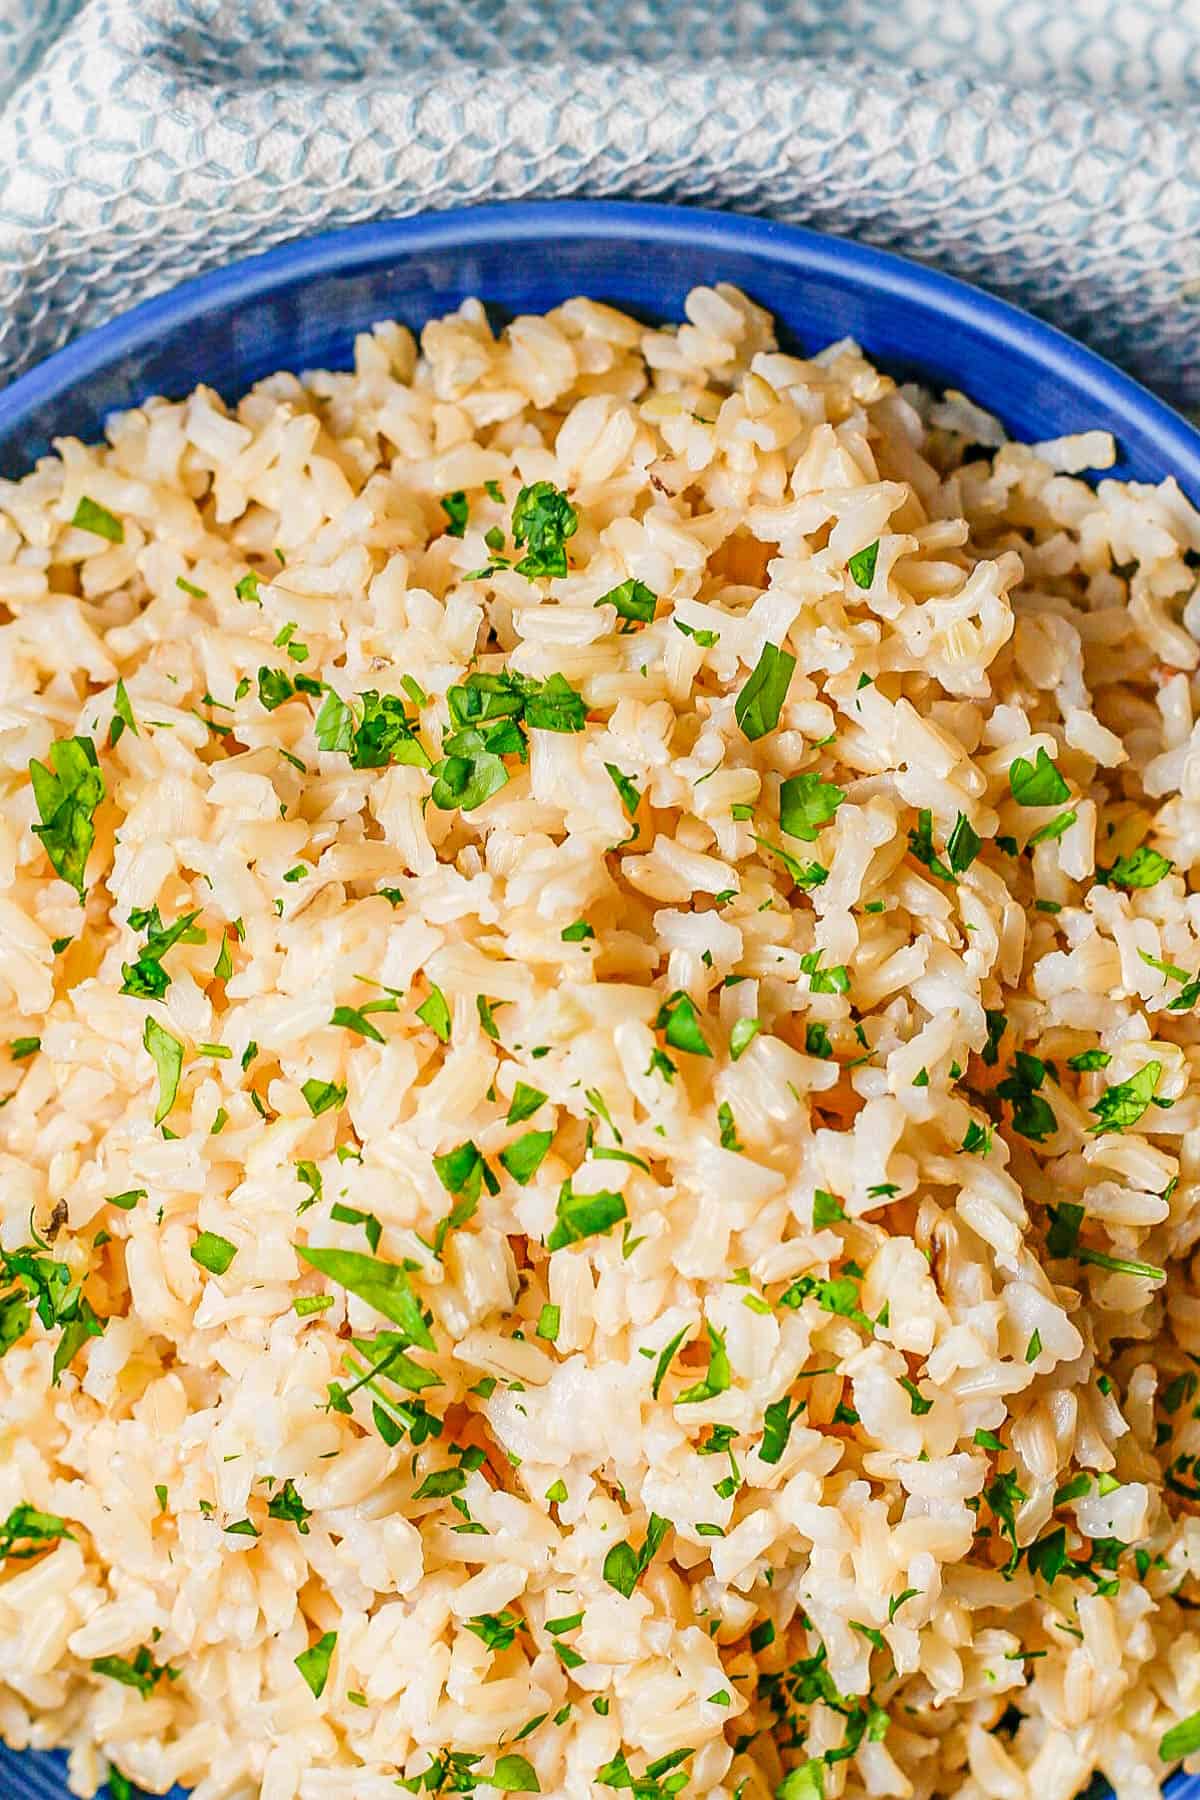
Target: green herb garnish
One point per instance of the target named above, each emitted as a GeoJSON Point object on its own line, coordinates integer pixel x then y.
{"type": "Point", "coordinates": [678, 1019]}
{"type": "Point", "coordinates": [1037, 783]}
{"type": "Point", "coordinates": [67, 795]}
{"type": "Point", "coordinates": [1142, 868]}
{"type": "Point", "coordinates": [624, 1566]}
{"type": "Point", "coordinates": [213, 1252]}
{"type": "Point", "coordinates": [1124, 1103]}
{"type": "Point", "coordinates": [579, 1216]}
{"type": "Point", "coordinates": [314, 1663]}
{"type": "Point", "coordinates": [543, 519]}
{"type": "Point", "coordinates": [806, 803]}
{"type": "Point", "coordinates": [321, 1096]}
{"type": "Point", "coordinates": [524, 1158]}
{"type": "Point", "coordinates": [633, 600]}
{"type": "Point", "coordinates": [760, 702]}
{"type": "Point", "coordinates": [89, 515]}
{"type": "Point", "coordinates": [862, 567]}
{"type": "Point", "coordinates": [166, 1052]}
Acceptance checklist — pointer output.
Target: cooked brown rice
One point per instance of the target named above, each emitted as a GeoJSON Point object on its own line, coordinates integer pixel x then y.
{"type": "Point", "coordinates": [714, 1026]}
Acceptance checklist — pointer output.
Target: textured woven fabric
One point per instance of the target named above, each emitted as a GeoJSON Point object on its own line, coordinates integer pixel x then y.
{"type": "Point", "coordinates": [1038, 148]}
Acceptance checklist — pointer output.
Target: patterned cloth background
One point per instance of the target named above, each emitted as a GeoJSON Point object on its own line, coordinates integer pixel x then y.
{"type": "Point", "coordinates": [1045, 148]}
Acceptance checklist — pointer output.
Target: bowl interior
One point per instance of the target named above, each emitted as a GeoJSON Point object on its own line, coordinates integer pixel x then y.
{"type": "Point", "coordinates": [301, 306]}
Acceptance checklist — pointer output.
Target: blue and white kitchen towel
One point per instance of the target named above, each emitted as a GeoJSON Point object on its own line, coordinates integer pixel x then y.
{"type": "Point", "coordinates": [1048, 150]}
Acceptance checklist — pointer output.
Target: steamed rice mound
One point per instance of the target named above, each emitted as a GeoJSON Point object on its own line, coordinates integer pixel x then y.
{"type": "Point", "coordinates": [598, 1193]}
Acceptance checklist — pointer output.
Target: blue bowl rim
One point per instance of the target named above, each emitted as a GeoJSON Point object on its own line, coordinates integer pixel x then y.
{"type": "Point", "coordinates": [521, 221]}
{"type": "Point", "coordinates": [882, 272]}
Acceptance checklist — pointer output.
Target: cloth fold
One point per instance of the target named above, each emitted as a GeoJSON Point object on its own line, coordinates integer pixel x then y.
{"type": "Point", "coordinates": [1043, 155]}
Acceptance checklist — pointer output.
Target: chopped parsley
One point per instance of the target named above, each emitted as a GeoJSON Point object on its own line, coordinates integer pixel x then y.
{"type": "Point", "coordinates": [554, 705]}
{"type": "Point", "coordinates": [1181, 1740]}
{"type": "Point", "coordinates": [274, 688]}
{"type": "Point", "coordinates": [472, 766]}
{"type": "Point", "coordinates": [314, 1662]}
{"type": "Point", "coordinates": [289, 1508]}
{"type": "Point", "coordinates": [1037, 783]}
{"type": "Point", "coordinates": [719, 1374]}
{"type": "Point", "coordinates": [963, 845]}
{"type": "Point", "coordinates": [213, 1252]}
{"type": "Point", "coordinates": [457, 512]}
{"type": "Point", "coordinates": [742, 1036]}
{"type": "Point", "coordinates": [624, 1566]}
{"type": "Point", "coordinates": [827, 1209]}
{"type": "Point", "coordinates": [1142, 868]}
{"type": "Point", "coordinates": [838, 1295]}
{"type": "Point", "coordinates": [920, 842]}
{"type": "Point", "coordinates": [549, 1320]}
{"type": "Point", "coordinates": [1048, 1556]}
{"type": "Point", "coordinates": [1053, 828]}
{"type": "Point", "coordinates": [463, 1172]}
{"type": "Point", "coordinates": [834, 980]}
{"type": "Point", "coordinates": [630, 797]}
{"type": "Point", "coordinates": [1004, 1495]}
{"type": "Point", "coordinates": [862, 569]}
{"type": "Point", "coordinates": [89, 515]}
{"type": "Point", "coordinates": [1064, 1235]}
{"type": "Point", "coordinates": [351, 1215]}
{"type": "Point", "coordinates": [354, 1018]}
{"type": "Point", "coordinates": [705, 639]}
{"type": "Point", "coordinates": [143, 1673]}
{"type": "Point", "coordinates": [778, 1420]}
{"type": "Point", "coordinates": [665, 1359]}
{"type": "Point", "coordinates": [524, 1158]}
{"type": "Point", "coordinates": [122, 717]}
{"type": "Point", "coordinates": [146, 978]}
{"type": "Point", "coordinates": [305, 1305]}
{"type": "Point", "coordinates": [678, 1020]}
{"type": "Point", "coordinates": [26, 1532]}
{"type": "Point", "coordinates": [166, 1053]}
{"type": "Point", "coordinates": [524, 1103]}
{"type": "Point", "coordinates": [806, 803]}
{"type": "Point", "coordinates": [435, 1012]}
{"type": "Point", "coordinates": [383, 1285]}
{"type": "Point", "coordinates": [579, 1216]}
{"type": "Point", "coordinates": [1032, 1116]}
{"type": "Point", "coordinates": [542, 521]}
{"type": "Point", "coordinates": [1124, 1103]}
{"type": "Point", "coordinates": [322, 1096]}
{"type": "Point", "coordinates": [997, 1025]}
{"type": "Point", "coordinates": [67, 795]}
{"type": "Point", "coordinates": [514, 1774]}
{"type": "Point", "coordinates": [804, 875]}
{"type": "Point", "coordinates": [633, 600]}
{"type": "Point", "coordinates": [128, 1200]}
{"type": "Point", "coordinates": [375, 734]}
{"type": "Point", "coordinates": [41, 1284]}
{"type": "Point", "coordinates": [760, 702]}
{"type": "Point", "coordinates": [1089, 1059]}
{"type": "Point", "coordinates": [1121, 1265]}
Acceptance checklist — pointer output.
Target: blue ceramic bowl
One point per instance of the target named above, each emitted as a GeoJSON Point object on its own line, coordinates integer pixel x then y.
{"type": "Point", "coordinates": [300, 306]}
